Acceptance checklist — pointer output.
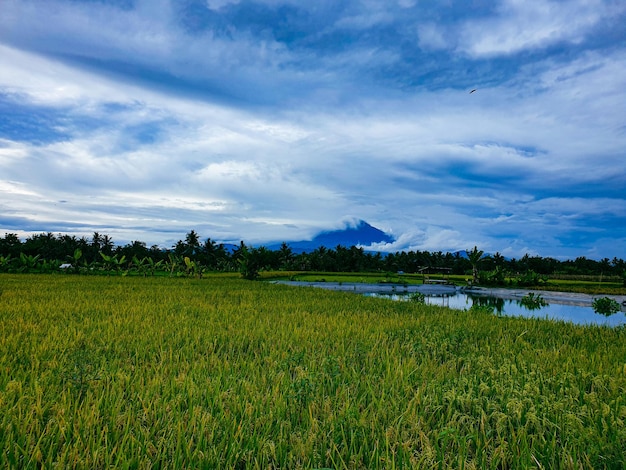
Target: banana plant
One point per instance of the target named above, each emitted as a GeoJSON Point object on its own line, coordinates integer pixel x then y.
{"type": "Point", "coordinates": [146, 265]}
{"type": "Point", "coordinates": [190, 266]}
{"type": "Point", "coordinates": [5, 263]}
{"type": "Point", "coordinates": [49, 266]}
{"type": "Point", "coordinates": [152, 265]}
{"type": "Point", "coordinates": [113, 263]}
{"type": "Point", "coordinates": [28, 262]}
{"type": "Point", "coordinates": [173, 264]}
{"type": "Point", "coordinates": [141, 265]}
{"type": "Point", "coordinates": [193, 268]}
{"type": "Point", "coordinates": [74, 259]}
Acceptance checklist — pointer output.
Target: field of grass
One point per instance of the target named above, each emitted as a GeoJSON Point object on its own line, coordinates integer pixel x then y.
{"type": "Point", "coordinates": [586, 287]}
{"type": "Point", "coordinates": [224, 373]}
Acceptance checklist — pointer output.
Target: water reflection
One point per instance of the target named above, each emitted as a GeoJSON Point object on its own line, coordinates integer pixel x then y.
{"type": "Point", "coordinates": [574, 308]}
{"type": "Point", "coordinates": [493, 303]}
{"type": "Point", "coordinates": [577, 314]}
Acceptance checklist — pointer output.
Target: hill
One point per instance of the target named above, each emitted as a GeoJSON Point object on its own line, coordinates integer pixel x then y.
{"type": "Point", "coordinates": [359, 233]}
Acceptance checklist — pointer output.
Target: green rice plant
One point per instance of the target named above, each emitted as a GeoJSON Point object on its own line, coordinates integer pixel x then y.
{"type": "Point", "coordinates": [79, 371]}
{"type": "Point", "coordinates": [144, 372]}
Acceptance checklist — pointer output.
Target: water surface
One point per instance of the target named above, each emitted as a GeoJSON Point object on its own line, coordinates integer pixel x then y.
{"type": "Point", "coordinates": [570, 307]}
{"type": "Point", "coordinates": [569, 312]}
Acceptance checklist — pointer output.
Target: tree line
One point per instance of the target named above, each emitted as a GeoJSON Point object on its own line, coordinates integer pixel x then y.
{"type": "Point", "coordinates": [47, 252]}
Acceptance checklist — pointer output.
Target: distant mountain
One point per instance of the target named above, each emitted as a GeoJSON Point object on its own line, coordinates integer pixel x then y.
{"type": "Point", "coordinates": [463, 254]}
{"type": "Point", "coordinates": [360, 233]}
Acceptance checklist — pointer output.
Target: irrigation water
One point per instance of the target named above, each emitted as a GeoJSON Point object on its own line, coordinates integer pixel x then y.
{"type": "Point", "coordinates": [560, 306]}
{"type": "Point", "coordinates": [577, 314]}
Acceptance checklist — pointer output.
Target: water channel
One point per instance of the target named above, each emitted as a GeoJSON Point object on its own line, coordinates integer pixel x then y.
{"type": "Point", "coordinates": [568, 307]}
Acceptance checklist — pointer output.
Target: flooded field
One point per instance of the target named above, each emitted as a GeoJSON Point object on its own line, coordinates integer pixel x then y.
{"type": "Point", "coordinates": [575, 312]}
{"type": "Point", "coordinates": [566, 306]}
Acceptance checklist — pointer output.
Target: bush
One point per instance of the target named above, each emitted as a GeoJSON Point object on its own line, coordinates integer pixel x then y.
{"type": "Point", "coordinates": [531, 278]}
{"type": "Point", "coordinates": [492, 278]}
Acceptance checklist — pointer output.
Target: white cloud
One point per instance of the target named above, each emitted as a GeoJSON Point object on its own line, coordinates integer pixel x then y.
{"type": "Point", "coordinates": [143, 44]}
{"type": "Point", "coordinates": [431, 36]}
{"type": "Point", "coordinates": [218, 4]}
{"type": "Point", "coordinates": [532, 24]}
{"type": "Point", "coordinates": [243, 136]}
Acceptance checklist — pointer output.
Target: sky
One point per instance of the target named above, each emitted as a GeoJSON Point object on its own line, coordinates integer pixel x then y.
{"type": "Point", "coordinates": [271, 120]}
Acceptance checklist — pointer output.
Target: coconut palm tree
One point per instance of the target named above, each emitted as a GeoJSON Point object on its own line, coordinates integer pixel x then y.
{"type": "Point", "coordinates": [474, 256]}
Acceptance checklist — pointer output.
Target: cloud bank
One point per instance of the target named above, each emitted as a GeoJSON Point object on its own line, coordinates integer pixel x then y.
{"type": "Point", "coordinates": [271, 120]}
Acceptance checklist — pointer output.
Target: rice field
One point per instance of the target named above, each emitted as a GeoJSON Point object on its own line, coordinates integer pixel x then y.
{"type": "Point", "coordinates": [224, 373]}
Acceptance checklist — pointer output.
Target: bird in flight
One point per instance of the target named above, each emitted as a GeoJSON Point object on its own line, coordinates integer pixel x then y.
{"type": "Point", "coordinates": [472, 91]}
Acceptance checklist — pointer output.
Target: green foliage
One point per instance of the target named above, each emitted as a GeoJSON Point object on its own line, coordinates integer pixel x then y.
{"type": "Point", "coordinates": [174, 265]}
{"type": "Point", "coordinates": [482, 308]}
{"type": "Point", "coordinates": [605, 306]}
{"type": "Point", "coordinates": [5, 263]}
{"type": "Point", "coordinates": [112, 262]}
{"type": "Point", "coordinates": [79, 370]}
{"type": "Point", "coordinates": [249, 263]}
{"type": "Point", "coordinates": [210, 256]}
{"type": "Point", "coordinates": [28, 263]}
{"type": "Point", "coordinates": [492, 278]}
{"type": "Point", "coordinates": [78, 254]}
{"type": "Point", "coordinates": [417, 297]}
{"type": "Point", "coordinates": [146, 265]}
{"type": "Point", "coordinates": [531, 279]}
{"type": "Point", "coordinates": [475, 256]}
{"type": "Point", "coordinates": [192, 269]}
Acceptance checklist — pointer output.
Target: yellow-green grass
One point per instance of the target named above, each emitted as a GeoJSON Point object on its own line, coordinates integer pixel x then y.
{"type": "Point", "coordinates": [120, 372]}
{"type": "Point", "coordinates": [587, 287]}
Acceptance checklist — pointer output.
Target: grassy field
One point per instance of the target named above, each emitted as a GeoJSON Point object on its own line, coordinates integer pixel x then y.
{"type": "Point", "coordinates": [223, 373]}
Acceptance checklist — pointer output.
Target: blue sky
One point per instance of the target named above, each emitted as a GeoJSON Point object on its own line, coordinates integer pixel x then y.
{"type": "Point", "coordinates": [271, 120]}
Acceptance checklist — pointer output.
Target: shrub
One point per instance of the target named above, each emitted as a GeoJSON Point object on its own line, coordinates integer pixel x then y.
{"type": "Point", "coordinates": [492, 278]}
{"type": "Point", "coordinates": [531, 278]}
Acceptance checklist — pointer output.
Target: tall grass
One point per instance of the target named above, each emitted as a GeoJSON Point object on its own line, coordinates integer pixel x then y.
{"type": "Point", "coordinates": [222, 373]}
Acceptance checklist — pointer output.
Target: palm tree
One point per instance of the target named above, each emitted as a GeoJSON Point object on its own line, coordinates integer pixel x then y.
{"type": "Point", "coordinates": [106, 245]}
{"type": "Point", "coordinates": [192, 244]}
{"type": "Point", "coordinates": [285, 256]}
{"type": "Point", "coordinates": [474, 256]}
{"type": "Point", "coordinates": [498, 259]}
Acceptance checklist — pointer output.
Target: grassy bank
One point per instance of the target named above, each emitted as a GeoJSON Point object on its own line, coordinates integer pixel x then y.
{"type": "Point", "coordinates": [222, 373]}
{"type": "Point", "coordinates": [582, 284]}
